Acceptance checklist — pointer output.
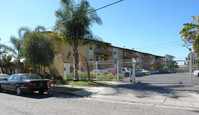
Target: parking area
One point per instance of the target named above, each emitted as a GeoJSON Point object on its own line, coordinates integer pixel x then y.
{"type": "Point", "coordinates": [171, 78]}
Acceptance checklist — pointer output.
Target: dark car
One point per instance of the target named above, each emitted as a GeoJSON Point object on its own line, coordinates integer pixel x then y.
{"type": "Point", "coordinates": [173, 70]}
{"type": "Point", "coordinates": [24, 83]}
{"type": "Point", "coordinates": [3, 77]}
{"type": "Point", "coordinates": [164, 71]}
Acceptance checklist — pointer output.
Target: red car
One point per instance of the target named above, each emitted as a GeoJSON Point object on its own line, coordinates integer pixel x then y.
{"type": "Point", "coordinates": [111, 70]}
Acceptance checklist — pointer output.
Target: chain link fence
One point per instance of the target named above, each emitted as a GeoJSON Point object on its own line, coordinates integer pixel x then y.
{"type": "Point", "coordinates": [147, 71]}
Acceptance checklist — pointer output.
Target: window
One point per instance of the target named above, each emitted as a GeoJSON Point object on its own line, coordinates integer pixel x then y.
{"type": "Point", "coordinates": [124, 53]}
{"type": "Point", "coordinates": [115, 51]}
{"type": "Point", "coordinates": [15, 78]}
{"type": "Point", "coordinates": [98, 58]}
{"type": "Point", "coordinates": [105, 59]}
{"type": "Point", "coordinates": [143, 57]}
{"type": "Point", "coordinates": [10, 78]}
{"type": "Point", "coordinates": [97, 48]}
{"type": "Point", "coordinates": [91, 46]}
{"type": "Point", "coordinates": [137, 55]}
{"type": "Point", "coordinates": [90, 58]}
{"type": "Point", "coordinates": [130, 53]}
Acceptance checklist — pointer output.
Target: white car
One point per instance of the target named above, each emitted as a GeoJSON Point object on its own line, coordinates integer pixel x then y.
{"type": "Point", "coordinates": [196, 73]}
{"type": "Point", "coordinates": [145, 72]}
{"type": "Point", "coordinates": [126, 71]}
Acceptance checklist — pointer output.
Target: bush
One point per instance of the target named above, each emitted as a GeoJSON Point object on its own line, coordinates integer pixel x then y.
{"type": "Point", "coordinates": [84, 76]}
{"type": "Point", "coordinates": [53, 77]}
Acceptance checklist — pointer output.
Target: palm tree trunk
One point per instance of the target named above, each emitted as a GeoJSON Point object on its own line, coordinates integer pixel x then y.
{"type": "Point", "coordinates": [76, 62]}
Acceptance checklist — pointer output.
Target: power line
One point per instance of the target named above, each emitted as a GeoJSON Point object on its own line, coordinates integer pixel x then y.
{"type": "Point", "coordinates": [165, 46]}
{"type": "Point", "coordinates": [160, 44]}
{"type": "Point", "coordinates": [87, 13]}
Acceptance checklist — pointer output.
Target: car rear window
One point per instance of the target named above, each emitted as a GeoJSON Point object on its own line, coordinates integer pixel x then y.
{"type": "Point", "coordinates": [31, 77]}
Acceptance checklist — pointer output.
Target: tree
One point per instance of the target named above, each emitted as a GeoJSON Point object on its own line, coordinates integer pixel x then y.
{"type": "Point", "coordinates": [38, 49]}
{"type": "Point", "coordinates": [171, 65]}
{"type": "Point", "coordinates": [73, 24]}
{"type": "Point", "coordinates": [6, 63]}
{"type": "Point", "coordinates": [190, 34]}
{"type": "Point", "coordinates": [17, 50]}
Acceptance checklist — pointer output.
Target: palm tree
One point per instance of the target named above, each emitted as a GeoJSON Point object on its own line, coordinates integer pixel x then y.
{"type": "Point", "coordinates": [18, 42]}
{"type": "Point", "coordinates": [190, 34]}
{"type": "Point", "coordinates": [73, 24]}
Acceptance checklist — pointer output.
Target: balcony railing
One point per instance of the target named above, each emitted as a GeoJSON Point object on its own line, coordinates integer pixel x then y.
{"type": "Point", "coordinates": [103, 52]}
{"type": "Point", "coordinates": [128, 56]}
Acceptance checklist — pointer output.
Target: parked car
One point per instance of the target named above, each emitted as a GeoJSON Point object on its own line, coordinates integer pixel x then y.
{"type": "Point", "coordinates": [165, 71]}
{"type": "Point", "coordinates": [172, 70]}
{"type": "Point", "coordinates": [111, 70]}
{"type": "Point", "coordinates": [99, 71]}
{"type": "Point", "coordinates": [125, 71]}
{"type": "Point", "coordinates": [196, 73]}
{"type": "Point", "coordinates": [138, 73]}
{"type": "Point", "coordinates": [145, 72]}
{"type": "Point", "coordinates": [154, 71]}
{"type": "Point", "coordinates": [3, 77]}
{"type": "Point", "coordinates": [24, 83]}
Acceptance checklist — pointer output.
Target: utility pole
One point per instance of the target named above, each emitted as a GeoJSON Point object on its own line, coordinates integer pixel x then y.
{"type": "Point", "coordinates": [190, 66]}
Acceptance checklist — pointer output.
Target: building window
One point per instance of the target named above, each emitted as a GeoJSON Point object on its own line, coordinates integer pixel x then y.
{"type": "Point", "coordinates": [91, 46]}
{"type": "Point", "coordinates": [90, 58]}
{"type": "Point", "coordinates": [98, 58]}
{"type": "Point", "coordinates": [97, 48]}
{"type": "Point", "coordinates": [124, 53]}
{"type": "Point", "coordinates": [105, 59]}
{"type": "Point", "coordinates": [115, 51]}
{"type": "Point", "coordinates": [143, 57]}
{"type": "Point", "coordinates": [130, 53]}
{"type": "Point", "coordinates": [144, 64]}
{"type": "Point", "coordinates": [137, 55]}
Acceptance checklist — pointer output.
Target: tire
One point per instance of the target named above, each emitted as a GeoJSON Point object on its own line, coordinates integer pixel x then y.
{"type": "Point", "coordinates": [1, 90]}
{"type": "Point", "coordinates": [198, 74]}
{"type": "Point", "coordinates": [18, 91]}
{"type": "Point", "coordinates": [126, 74]}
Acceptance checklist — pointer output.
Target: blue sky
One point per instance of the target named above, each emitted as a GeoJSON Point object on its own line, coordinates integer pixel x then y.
{"type": "Point", "coordinates": [150, 26]}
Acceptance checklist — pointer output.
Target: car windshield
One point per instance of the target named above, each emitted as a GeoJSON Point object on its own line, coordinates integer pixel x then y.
{"type": "Point", "coordinates": [31, 77]}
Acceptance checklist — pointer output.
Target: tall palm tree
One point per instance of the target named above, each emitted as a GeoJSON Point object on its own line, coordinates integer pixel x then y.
{"type": "Point", "coordinates": [73, 24]}
{"type": "Point", "coordinates": [190, 34]}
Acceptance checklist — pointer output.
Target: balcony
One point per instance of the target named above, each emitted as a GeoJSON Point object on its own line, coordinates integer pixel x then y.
{"type": "Point", "coordinates": [103, 52]}
{"type": "Point", "coordinates": [127, 56]}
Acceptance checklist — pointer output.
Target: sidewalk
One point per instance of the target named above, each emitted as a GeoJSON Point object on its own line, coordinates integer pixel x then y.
{"type": "Point", "coordinates": [158, 94]}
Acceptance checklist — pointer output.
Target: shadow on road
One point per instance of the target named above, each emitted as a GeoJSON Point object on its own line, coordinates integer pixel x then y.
{"type": "Point", "coordinates": [142, 90]}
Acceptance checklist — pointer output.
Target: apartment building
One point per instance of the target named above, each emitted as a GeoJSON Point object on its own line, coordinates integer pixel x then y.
{"type": "Point", "coordinates": [106, 57]}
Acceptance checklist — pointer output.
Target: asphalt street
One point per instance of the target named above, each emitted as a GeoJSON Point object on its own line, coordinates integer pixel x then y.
{"type": "Point", "coordinates": [66, 105]}
{"type": "Point", "coordinates": [153, 96]}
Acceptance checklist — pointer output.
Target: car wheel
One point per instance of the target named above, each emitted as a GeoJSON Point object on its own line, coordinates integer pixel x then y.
{"type": "Point", "coordinates": [198, 74]}
{"type": "Point", "coordinates": [126, 74]}
{"type": "Point", "coordinates": [18, 91]}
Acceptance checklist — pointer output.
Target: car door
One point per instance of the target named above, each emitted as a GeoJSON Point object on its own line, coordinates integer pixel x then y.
{"type": "Point", "coordinates": [13, 82]}
{"type": "Point", "coordinates": [5, 85]}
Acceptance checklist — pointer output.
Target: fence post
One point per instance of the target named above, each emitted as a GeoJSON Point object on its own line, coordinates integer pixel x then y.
{"type": "Point", "coordinates": [79, 70]}
{"type": "Point", "coordinates": [133, 75]}
{"type": "Point", "coordinates": [190, 68]}
{"type": "Point", "coordinates": [96, 70]}
{"type": "Point", "coordinates": [117, 70]}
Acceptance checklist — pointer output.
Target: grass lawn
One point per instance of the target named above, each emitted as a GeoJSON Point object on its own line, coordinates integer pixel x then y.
{"type": "Point", "coordinates": [82, 83]}
{"type": "Point", "coordinates": [66, 89]}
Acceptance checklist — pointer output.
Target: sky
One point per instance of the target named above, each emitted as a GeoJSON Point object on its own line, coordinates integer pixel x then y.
{"type": "Point", "coordinates": [150, 26]}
